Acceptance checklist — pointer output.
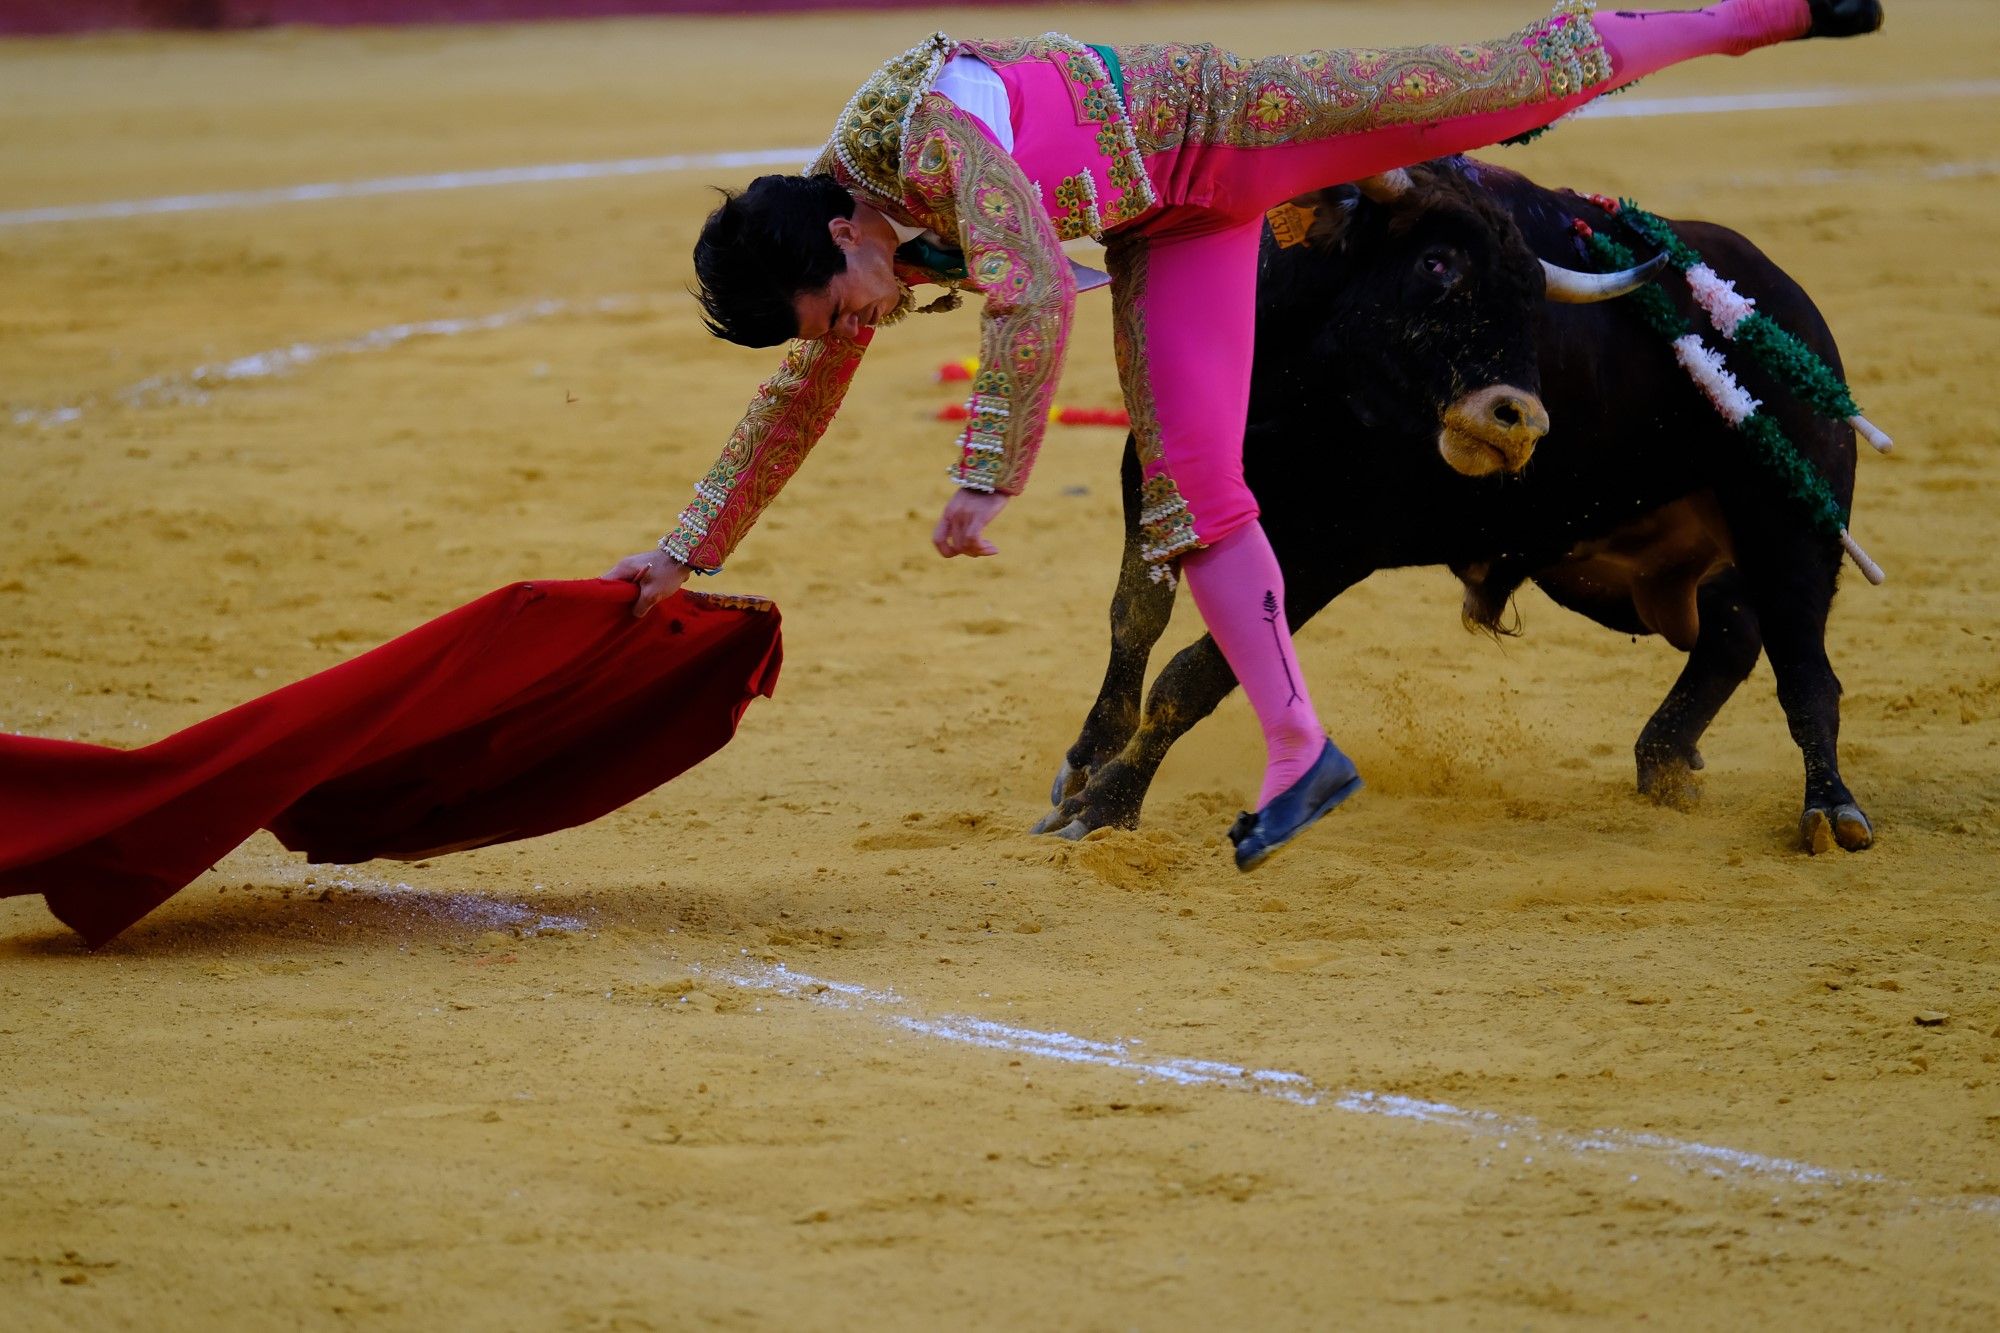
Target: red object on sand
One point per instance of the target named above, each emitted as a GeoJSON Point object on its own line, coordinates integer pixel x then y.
{"type": "Point", "coordinates": [538, 707]}
{"type": "Point", "coordinates": [1061, 416]}
{"type": "Point", "coordinates": [1093, 416]}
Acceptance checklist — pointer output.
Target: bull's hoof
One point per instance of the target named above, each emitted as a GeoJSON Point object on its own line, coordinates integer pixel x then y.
{"type": "Point", "coordinates": [1671, 783]}
{"type": "Point", "coordinates": [1063, 813]}
{"type": "Point", "coordinates": [1822, 828]}
{"type": "Point", "coordinates": [1075, 818]}
{"type": "Point", "coordinates": [1110, 799]}
{"type": "Point", "coordinates": [1070, 781]}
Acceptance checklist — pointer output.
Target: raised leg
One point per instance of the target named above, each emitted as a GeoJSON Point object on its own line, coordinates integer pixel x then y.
{"type": "Point", "coordinates": [1278, 126]}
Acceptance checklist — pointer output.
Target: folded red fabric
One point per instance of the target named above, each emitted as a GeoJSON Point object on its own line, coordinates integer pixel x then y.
{"type": "Point", "coordinates": [538, 707]}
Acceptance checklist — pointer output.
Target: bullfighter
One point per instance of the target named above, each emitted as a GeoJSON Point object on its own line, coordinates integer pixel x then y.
{"type": "Point", "coordinates": [969, 163]}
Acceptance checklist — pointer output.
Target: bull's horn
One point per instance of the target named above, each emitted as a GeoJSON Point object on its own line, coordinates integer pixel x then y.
{"type": "Point", "coordinates": [1386, 188]}
{"type": "Point", "coordinates": [1572, 287]}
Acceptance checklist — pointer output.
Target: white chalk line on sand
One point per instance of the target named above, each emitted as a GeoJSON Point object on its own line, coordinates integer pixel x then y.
{"type": "Point", "coordinates": [1792, 99]}
{"type": "Point", "coordinates": [318, 192]}
{"type": "Point", "coordinates": [1619, 108]}
{"type": "Point", "coordinates": [192, 387]}
{"type": "Point", "coordinates": [1516, 1132]}
{"type": "Point", "coordinates": [1810, 176]}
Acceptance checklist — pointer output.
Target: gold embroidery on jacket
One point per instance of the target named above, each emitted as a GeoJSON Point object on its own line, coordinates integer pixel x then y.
{"type": "Point", "coordinates": [961, 184]}
{"type": "Point", "coordinates": [790, 412]}
{"type": "Point", "coordinates": [868, 137]}
{"type": "Point", "coordinates": [1197, 93]}
{"type": "Point", "coordinates": [1166, 524]}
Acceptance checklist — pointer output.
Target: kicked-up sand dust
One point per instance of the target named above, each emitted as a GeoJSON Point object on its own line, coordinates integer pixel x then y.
{"type": "Point", "coordinates": [518, 1089]}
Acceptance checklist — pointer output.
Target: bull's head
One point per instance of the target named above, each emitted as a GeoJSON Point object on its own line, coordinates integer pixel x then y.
{"type": "Point", "coordinates": [1427, 322]}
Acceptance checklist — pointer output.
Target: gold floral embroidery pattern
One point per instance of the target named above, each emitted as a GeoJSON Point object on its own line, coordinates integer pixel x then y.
{"type": "Point", "coordinates": [1097, 103]}
{"type": "Point", "coordinates": [1166, 524]}
{"type": "Point", "coordinates": [1124, 169]}
{"type": "Point", "coordinates": [1127, 173]}
{"type": "Point", "coordinates": [960, 184]}
{"type": "Point", "coordinates": [1075, 212]}
{"type": "Point", "coordinates": [1005, 51]}
{"type": "Point", "coordinates": [868, 137]}
{"type": "Point", "coordinates": [1197, 93]}
{"type": "Point", "coordinates": [786, 418]}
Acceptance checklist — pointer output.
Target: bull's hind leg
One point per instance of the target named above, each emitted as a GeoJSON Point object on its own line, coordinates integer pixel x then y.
{"type": "Point", "coordinates": [1723, 657]}
{"type": "Point", "coordinates": [1188, 689]}
{"type": "Point", "coordinates": [1140, 609]}
{"type": "Point", "coordinates": [1789, 575]}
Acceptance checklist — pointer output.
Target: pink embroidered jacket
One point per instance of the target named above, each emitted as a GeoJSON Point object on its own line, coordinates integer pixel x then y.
{"type": "Point", "coordinates": [918, 158]}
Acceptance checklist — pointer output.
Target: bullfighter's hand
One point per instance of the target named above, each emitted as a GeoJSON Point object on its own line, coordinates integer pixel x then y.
{"type": "Point", "coordinates": [657, 574]}
{"type": "Point", "coordinates": [965, 518]}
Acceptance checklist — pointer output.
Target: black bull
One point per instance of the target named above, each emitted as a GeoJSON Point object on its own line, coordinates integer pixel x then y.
{"type": "Point", "coordinates": [1639, 508]}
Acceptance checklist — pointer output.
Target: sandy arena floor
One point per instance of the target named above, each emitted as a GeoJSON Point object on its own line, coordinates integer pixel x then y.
{"type": "Point", "coordinates": [530, 1087]}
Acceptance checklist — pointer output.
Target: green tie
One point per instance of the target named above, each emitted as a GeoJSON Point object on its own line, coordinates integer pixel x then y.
{"type": "Point", "coordinates": [1112, 67]}
{"type": "Point", "coordinates": [920, 253]}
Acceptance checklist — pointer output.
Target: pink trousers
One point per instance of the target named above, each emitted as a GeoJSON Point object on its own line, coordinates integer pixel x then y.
{"type": "Point", "coordinates": [1227, 138]}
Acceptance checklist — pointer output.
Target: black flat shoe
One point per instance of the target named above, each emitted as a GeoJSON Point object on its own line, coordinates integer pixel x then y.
{"type": "Point", "coordinates": [1331, 780]}
{"type": "Point", "coordinates": [1844, 18]}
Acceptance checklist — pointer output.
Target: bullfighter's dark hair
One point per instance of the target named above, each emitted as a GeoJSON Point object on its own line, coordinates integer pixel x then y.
{"type": "Point", "coordinates": [763, 248]}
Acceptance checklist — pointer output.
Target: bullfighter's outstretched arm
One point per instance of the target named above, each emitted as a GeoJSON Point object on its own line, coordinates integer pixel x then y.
{"type": "Point", "coordinates": [791, 411]}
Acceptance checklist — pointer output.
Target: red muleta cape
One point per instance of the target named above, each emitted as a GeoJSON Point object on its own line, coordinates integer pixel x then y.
{"type": "Point", "coordinates": [538, 707]}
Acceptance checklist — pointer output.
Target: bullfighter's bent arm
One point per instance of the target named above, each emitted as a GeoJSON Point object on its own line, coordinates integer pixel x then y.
{"type": "Point", "coordinates": [952, 169]}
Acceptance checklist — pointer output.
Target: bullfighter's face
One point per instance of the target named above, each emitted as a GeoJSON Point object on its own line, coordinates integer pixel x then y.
{"type": "Point", "coordinates": [867, 292]}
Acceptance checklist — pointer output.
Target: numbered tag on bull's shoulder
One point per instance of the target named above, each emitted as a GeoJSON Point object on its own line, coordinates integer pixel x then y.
{"type": "Point", "coordinates": [1290, 223]}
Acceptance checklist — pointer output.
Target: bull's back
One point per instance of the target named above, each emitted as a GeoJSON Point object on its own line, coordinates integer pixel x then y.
{"type": "Point", "coordinates": [1644, 574]}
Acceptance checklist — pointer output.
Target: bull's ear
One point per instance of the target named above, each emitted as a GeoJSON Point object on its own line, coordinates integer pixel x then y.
{"type": "Point", "coordinates": [1333, 215]}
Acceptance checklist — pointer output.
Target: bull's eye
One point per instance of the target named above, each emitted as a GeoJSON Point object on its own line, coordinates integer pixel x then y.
{"type": "Point", "coordinates": [1442, 265]}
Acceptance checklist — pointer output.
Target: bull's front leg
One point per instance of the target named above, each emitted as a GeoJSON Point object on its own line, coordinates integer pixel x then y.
{"type": "Point", "coordinates": [1725, 652]}
{"type": "Point", "coordinates": [1140, 609]}
{"type": "Point", "coordinates": [1188, 689]}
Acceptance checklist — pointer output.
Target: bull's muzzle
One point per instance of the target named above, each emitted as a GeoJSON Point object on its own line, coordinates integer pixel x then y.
{"type": "Point", "coordinates": [1493, 430]}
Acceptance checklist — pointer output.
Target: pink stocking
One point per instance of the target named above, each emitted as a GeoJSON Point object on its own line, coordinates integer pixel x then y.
{"type": "Point", "coordinates": [1241, 593]}
{"type": "Point", "coordinates": [1643, 41]}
